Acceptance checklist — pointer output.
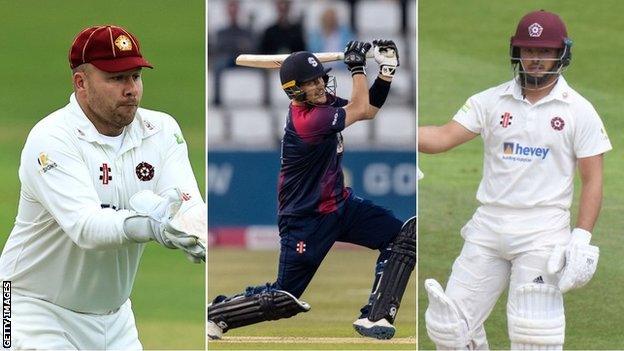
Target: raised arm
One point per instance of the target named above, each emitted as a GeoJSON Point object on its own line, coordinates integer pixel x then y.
{"type": "Point", "coordinates": [436, 139]}
{"type": "Point", "coordinates": [386, 55]}
{"type": "Point", "coordinates": [355, 59]}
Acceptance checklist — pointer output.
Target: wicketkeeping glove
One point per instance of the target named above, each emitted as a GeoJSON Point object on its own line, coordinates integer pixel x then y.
{"type": "Point", "coordinates": [355, 56]}
{"type": "Point", "coordinates": [576, 262]}
{"type": "Point", "coordinates": [153, 221]}
{"type": "Point", "coordinates": [387, 57]}
{"type": "Point", "coordinates": [190, 220]}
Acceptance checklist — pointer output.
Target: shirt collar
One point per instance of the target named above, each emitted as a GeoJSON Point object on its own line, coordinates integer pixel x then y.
{"type": "Point", "coordinates": [561, 91]}
{"type": "Point", "coordinates": [139, 129]}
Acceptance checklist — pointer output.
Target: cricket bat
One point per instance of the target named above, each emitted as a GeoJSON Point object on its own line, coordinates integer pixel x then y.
{"type": "Point", "coordinates": [275, 61]}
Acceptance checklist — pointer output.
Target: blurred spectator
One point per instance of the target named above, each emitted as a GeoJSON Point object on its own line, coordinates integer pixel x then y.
{"type": "Point", "coordinates": [331, 36]}
{"type": "Point", "coordinates": [231, 41]}
{"type": "Point", "coordinates": [282, 37]}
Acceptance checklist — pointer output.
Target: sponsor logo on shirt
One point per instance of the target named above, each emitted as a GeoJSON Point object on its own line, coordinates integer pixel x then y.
{"type": "Point", "coordinates": [517, 152]}
{"type": "Point", "coordinates": [105, 177]}
{"type": "Point", "coordinates": [45, 162]}
{"type": "Point", "coordinates": [335, 119]}
{"type": "Point", "coordinates": [179, 138]}
{"type": "Point", "coordinates": [301, 247]}
{"type": "Point", "coordinates": [604, 134]}
{"type": "Point", "coordinates": [340, 146]}
{"type": "Point", "coordinates": [506, 119]}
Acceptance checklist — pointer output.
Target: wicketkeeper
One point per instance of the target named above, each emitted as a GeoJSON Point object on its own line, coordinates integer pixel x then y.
{"type": "Point", "coordinates": [100, 178]}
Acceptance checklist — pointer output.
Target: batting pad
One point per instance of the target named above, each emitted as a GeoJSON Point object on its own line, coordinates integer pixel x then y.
{"type": "Point", "coordinates": [536, 320]}
{"type": "Point", "coordinates": [445, 326]}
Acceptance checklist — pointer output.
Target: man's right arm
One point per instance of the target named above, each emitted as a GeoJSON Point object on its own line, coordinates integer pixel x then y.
{"type": "Point", "coordinates": [357, 108]}
{"type": "Point", "coordinates": [436, 139]}
{"type": "Point", "coordinates": [54, 173]}
{"type": "Point", "coordinates": [355, 59]}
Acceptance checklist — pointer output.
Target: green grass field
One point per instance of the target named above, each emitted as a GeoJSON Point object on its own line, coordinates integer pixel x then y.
{"type": "Point", "coordinates": [339, 289]}
{"type": "Point", "coordinates": [463, 47]}
{"type": "Point", "coordinates": [168, 295]}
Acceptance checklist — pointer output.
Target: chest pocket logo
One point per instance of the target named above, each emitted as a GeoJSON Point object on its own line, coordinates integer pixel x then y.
{"type": "Point", "coordinates": [506, 119]}
{"type": "Point", "coordinates": [105, 176]}
{"type": "Point", "coordinates": [144, 171]}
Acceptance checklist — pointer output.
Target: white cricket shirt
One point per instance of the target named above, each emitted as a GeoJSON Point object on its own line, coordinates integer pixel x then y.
{"type": "Point", "coordinates": [68, 246]}
{"type": "Point", "coordinates": [530, 151]}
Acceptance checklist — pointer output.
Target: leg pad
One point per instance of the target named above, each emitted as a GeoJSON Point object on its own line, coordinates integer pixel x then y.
{"type": "Point", "coordinates": [256, 305]}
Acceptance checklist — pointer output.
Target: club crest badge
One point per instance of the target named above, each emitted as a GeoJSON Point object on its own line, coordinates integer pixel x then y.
{"type": "Point", "coordinates": [557, 123]}
{"type": "Point", "coordinates": [144, 171]}
{"type": "Point", "coordinates": [123, 43]}
{"type": "Point", "coordinates": [535, 30]}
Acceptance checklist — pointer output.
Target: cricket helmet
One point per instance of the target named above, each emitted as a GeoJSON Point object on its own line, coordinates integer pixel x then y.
{"type": "Point", "coordinates": [300, 67]}
{"type": "Point", "coordinates": [541, 29]}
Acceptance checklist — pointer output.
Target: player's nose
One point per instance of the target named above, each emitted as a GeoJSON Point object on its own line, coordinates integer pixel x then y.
{"type": "Point", "coordinates": [131, 88]}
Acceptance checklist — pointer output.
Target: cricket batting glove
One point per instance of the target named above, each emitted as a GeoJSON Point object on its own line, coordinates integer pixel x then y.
{"type": "Point", "coordinates": [152, 221]}
{"type": "Point", "coordinates": [576, 262]}
{"type": "Point", "coordinates": [355, 56]}
{"type": "Point", "coordinates": [387, 57]}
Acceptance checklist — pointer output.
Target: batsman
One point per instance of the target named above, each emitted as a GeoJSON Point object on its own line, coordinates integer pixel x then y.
{"type": "Point", "coordinates": [536, 130]}
{"type": "Point", "coordinates": [316, 209]}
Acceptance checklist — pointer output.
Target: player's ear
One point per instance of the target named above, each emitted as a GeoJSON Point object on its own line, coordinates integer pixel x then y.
{"type": "Point", "coordinates": [79, 80]}
{"type": "Point", "coordinates": [79, 77]}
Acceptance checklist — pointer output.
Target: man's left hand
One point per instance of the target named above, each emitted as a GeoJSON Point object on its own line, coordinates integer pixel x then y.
{"type": "Point", "coordinates": [576, 262]}
{"type": "Point", "coordinates": [187, 229]}
{"type": "Point", "coordinates": [387, 57]}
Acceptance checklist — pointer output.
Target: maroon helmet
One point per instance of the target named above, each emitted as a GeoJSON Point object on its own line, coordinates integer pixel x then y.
{"type": "Point", "coordinates": [541, 29]}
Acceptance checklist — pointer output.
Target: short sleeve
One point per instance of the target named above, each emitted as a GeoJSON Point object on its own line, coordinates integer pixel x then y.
{"type": "Point", "coordinates": [590, 136]}
{"type": "Point", "coordinates": [471, 115]}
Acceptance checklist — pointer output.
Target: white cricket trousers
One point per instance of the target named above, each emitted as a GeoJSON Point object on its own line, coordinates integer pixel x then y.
{"type": "Point", "coordinates": [485, 268]}
{"type": "Point", "coordinates": [38, 324]}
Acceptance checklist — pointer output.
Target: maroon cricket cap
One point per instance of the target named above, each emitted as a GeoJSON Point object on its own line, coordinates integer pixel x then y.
{"type": "Point", "coordinates": [540, 29]}
{"type": "Point", "coordinates": [109, 48]}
